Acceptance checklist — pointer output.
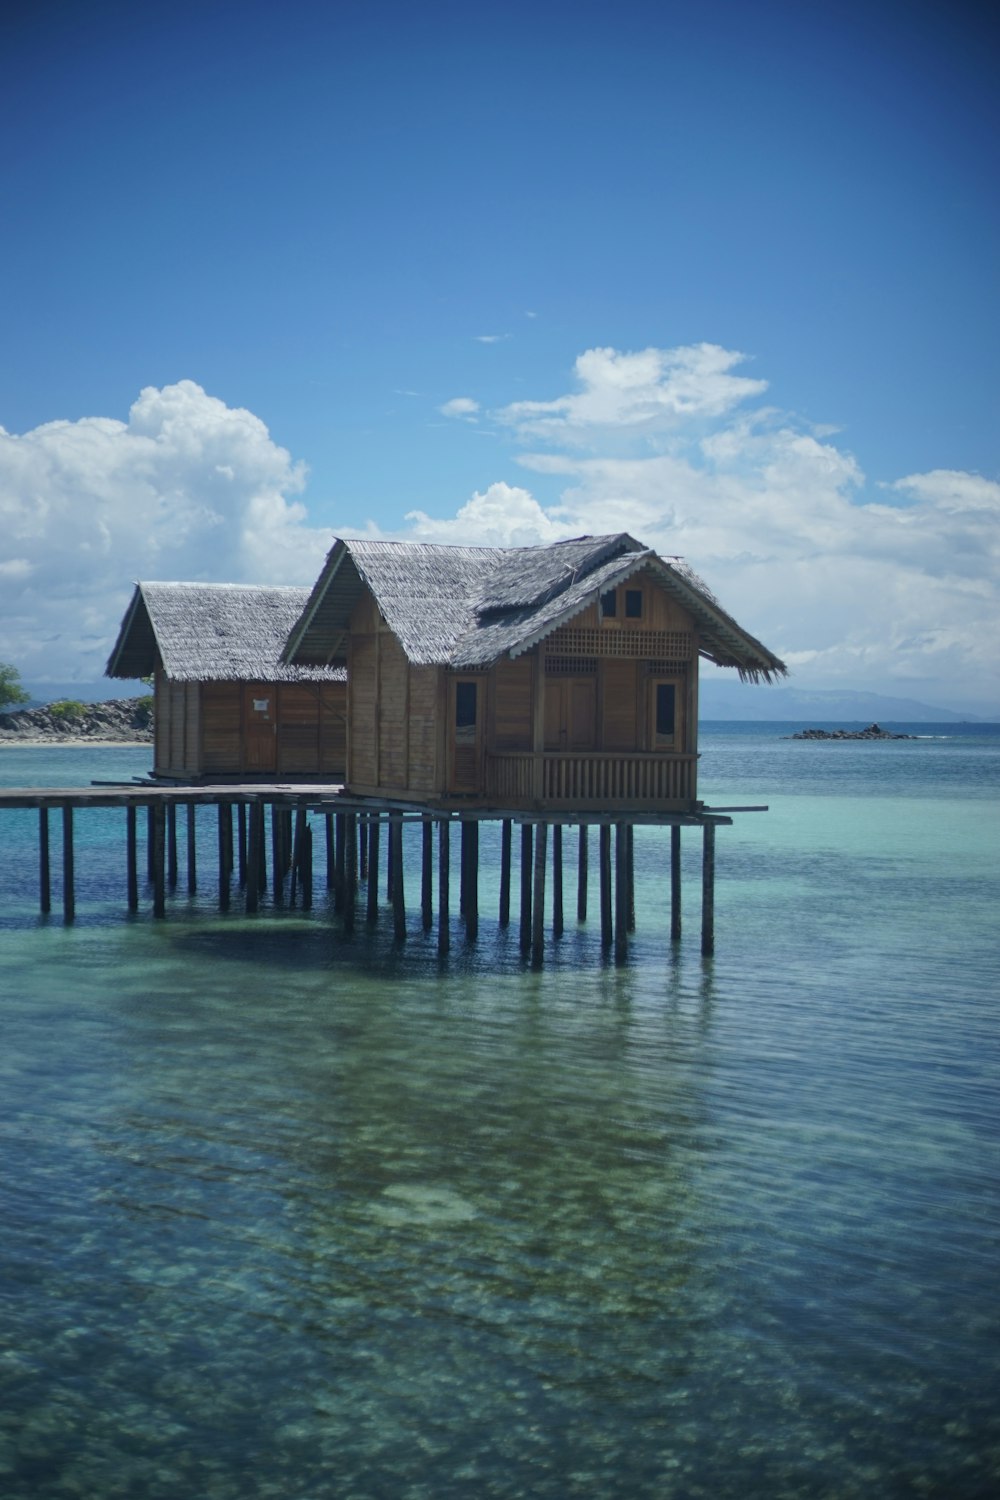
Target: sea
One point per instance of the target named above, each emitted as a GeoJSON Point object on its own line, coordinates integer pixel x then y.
{"type": "Point", "coordinates": [295, 1214]}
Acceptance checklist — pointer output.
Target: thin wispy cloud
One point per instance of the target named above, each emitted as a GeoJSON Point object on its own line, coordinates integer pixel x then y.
{"type": "Point", "coordinates": [460, 406]}
{"type": "Point", "coordinates": [490, 338]}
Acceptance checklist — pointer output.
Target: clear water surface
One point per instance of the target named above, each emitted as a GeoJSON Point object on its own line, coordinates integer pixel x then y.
{"type": "Point", "coordinates": [295, 1215]}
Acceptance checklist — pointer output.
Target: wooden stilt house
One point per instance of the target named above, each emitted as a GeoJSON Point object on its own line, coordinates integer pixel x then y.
{"type": "Point", "coordinates": [225, 705]}
{"type": "Point", "coordinates": [560, 678]}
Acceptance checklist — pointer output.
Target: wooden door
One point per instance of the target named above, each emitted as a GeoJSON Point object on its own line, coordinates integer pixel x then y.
{"type": "Point", "coordinates": [260, 724]}
{"type": "Point", "coordinates": [570, 713]}
{"type": "Point", "coordinates": [666, 715]}
{"type": "Point", "coordinates": [467, 700]}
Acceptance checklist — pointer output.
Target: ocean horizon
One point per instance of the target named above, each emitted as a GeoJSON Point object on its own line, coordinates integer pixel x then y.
{"type": "Point", "coordinates": [295, 1213]}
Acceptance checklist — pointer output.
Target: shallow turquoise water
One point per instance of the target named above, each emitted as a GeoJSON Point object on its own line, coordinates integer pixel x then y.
{"type": "Point", "coordinates": [287, 1214]}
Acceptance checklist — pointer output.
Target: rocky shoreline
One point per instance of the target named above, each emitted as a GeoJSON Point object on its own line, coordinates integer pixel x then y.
{"type": "Point", "coordinates": [873, 732]}
{"type": "Point", "coordinates": [120, 720]}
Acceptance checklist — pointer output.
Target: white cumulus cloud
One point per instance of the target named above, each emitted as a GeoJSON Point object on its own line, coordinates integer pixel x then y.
{"type": "Point", "coordinates": [187, 488]}
{"type": "Point", "coordinates": [460, 406]}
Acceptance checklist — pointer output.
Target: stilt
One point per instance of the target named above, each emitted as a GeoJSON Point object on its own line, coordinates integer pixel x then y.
{"type": "Point", "coordinates": [630, 874]}
{"type": "Point", "coordinates": [159, 852]}
{"type": "Point", "coordinates": [396, 862]}
{"type": "Point", "coordinates": [463, 866]}
{"type": "Point", "coordinates": [192, 849]}
{"type": "Point", "coordinates": [426, 872]}
{"type": "Point", "coordinates": [362, 847]}
{"type": "Point", "coordinates": [708, 891]}
{"type": "Point", "coordinates": [350, 869]}
{"type": "Point", "coordinates": [131, 862]}
{"type": "Point", "coordinates": [260, 814]}
{"type": "Point", "coordinates": [298, 853]}
{"type": "Point", "coordinates": [340, 864]}
{"type": "Point", "coordinates": [527, 843]}
{"type": "Point", "coordinates": [277, 861]}
{"type": "Point", "coordinates": [228, 829]}
{"type": "Point", "coordinates": [621, 892]}
{"type": "Point", "coordinates": [604, 861]}
{"type": "Point", "coordinates": [172, 845]}
{"type": "Point", "coordinates": [44, 866]}
{"type": "Point", "coordinates": [581, 874]}
{"type": "Point", "coordinates": [470, 831]}
{"type": "Point", "coordinates": [69, 875]}
{"type": "Point", "coordinates": [675, 882]}
{"type": "Point", "coordinates": [330, 853]}
{"type": "Point", "coordinates": [557, 880]}
{"type": "Point", "coordinates": [253, 857]}
{"type": "Point", "coordinates": [224, 817]}
{"type": "Point", "coordinates": [306, 873]}
{"type": "Point", "coordinates": [444, 877]}
{"type": "Point", "coordinates": [538, 906]}
{"type": "Point", "coordinates": [150, 842]}
{"type": "Point", "coordinates": [505, 873]}
{"type": "Point", "coordinates": [390, 855]}
{"type": "Point", "coordinates": [374, 831]}
{"type": "Point", "coordinates": [241, 842]}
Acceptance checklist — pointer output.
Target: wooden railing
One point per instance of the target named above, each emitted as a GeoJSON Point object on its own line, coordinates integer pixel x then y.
{"type": "Point", "coordinates": [588, 778]}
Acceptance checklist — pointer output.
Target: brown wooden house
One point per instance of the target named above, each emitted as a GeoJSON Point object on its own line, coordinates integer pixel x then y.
{"type": "Point", "coordinates": [225, 705]}
{"type": "Point", "coordinates": [561, 678]}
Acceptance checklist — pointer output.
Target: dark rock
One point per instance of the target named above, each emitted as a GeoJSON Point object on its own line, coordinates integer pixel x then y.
{"type": "Point", "coordinates": [116, 720]}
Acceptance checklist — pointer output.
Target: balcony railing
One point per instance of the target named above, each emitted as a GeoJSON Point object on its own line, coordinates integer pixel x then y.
{"type": "Point", "coordinates": [586, 778]}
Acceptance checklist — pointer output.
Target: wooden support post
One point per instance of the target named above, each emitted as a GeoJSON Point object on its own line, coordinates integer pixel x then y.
{"type": "Point", "coordinates": [277, 859]}
{"type": "Point", "coordinates": [538, 905]}
{"type": "Point", "coordinates": [172, 845]}
{"type": "Point", "coordinates": [426, 872]}
{"type": "Point", "coordinates": [331, 857]}
{"type": "Point", "coordinates": [396, 862]}
{"type": "Point", "coordinates": [604, 861]}
{"type": "Point", "coordinates": [444, 877]}
{"type": "Point", "coordinates": [228, 828]}
{"type": "Point", "coordinates": [253, 858]}
{"type": "Point", "coordinates": [192, 850]}
{"type": "Point", "coordinates": [350, 869]}
{"type": "Point", "coordinates": [131, 861]}
{"type": "Point", "coordinates": [621, 892]}
{"type": "Point", "coordinates": [630, 874]}
{"type": "Point", "coordinates": [224, 817]}
{"type": "Point", "coordinates": [44, 865]}
{"type": "Point", "coordinates": [581, 874]}
{"type": "Point", "coordinates": [340, 864]}
{"type": "Point", "coordinates": [307, 869]}
{"type": "Point", "coordinates": [241, 844]}
{"type": "Point", "coordinates": [463, 866]}
{"type": "Point", "coordinates": [675, 882]}
{"type": "Point", "coordinates": [390, 855]}
{"type": "Point", "coordinates": [505, 873]}
{"type": "Point", "coordinates": [708, 891]}
{"type": "Point", "coordinates": [159, 852]}
{"type": "Point", "coordinates": [363, 847]}
{"type": "Point", "coordinates": [150, 841]}
{"type": "Point", "coordinates": [472, 881]}
{"type": "Point", "coordinates": [69, 872]}
{"type": "Point", "coordinates": [298, 853]}
{"type": "Point", "coordinates": [260, 813]}
{"type": "Point", "coordinates": [527, 845]}
{"type": "Point", "coordinates": [374, 833]}
{"type": "Point", "coordinates": [557, 880]}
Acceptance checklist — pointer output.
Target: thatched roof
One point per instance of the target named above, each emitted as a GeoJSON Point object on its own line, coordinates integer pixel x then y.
{"type": "Point", "coordinates": [211, 632]}
{"type": "Point", "coordinates": [466, 607]}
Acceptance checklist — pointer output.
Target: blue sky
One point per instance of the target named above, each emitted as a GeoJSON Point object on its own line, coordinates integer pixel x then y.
{"type": "Point", "coordinates": [724, 275]}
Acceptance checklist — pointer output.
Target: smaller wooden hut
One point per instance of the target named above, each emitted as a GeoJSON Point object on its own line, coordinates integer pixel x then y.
{"type": "Point", "coordinates": [225, 705]}
{"type": "Point", "coordinates": [560, 678]}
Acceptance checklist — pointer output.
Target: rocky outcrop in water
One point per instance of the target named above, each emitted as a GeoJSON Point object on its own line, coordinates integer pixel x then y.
{"type": "Point", "coordinates": [119, 719]}
{"type": "Point", "coordinates": [873, 732]}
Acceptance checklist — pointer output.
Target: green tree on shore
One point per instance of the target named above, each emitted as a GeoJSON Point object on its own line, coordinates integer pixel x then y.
{"type": "Point", "coordinates": [11, 692]}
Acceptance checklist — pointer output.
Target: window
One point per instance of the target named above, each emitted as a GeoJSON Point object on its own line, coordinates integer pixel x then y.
{"type": "Point", "coordinates": [609, 605]}
{"type": "Point", "coordinates": [633, 604]}
{"type": "Point", "coordinates": [465, 712]}
{"type": "Point", "coordinates": [666, 709]}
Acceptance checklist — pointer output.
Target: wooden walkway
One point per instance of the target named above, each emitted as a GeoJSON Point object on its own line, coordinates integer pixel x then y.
{"type": "Point", "coordinates": [353, 827]}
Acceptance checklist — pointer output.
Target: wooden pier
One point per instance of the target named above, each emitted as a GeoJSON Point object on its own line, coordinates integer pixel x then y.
{"type": "Point", "coordinates": [264, 844]}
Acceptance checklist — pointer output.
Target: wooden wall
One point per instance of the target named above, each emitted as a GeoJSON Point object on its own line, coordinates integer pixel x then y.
{"type": "Point", "coordinates": [199, 728]}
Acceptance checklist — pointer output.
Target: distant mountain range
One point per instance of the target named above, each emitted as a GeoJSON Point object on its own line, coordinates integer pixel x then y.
{"type": "Point", "coordinates": [718, 700]}
{"type": "Point", "coordinates": [728, 700]}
